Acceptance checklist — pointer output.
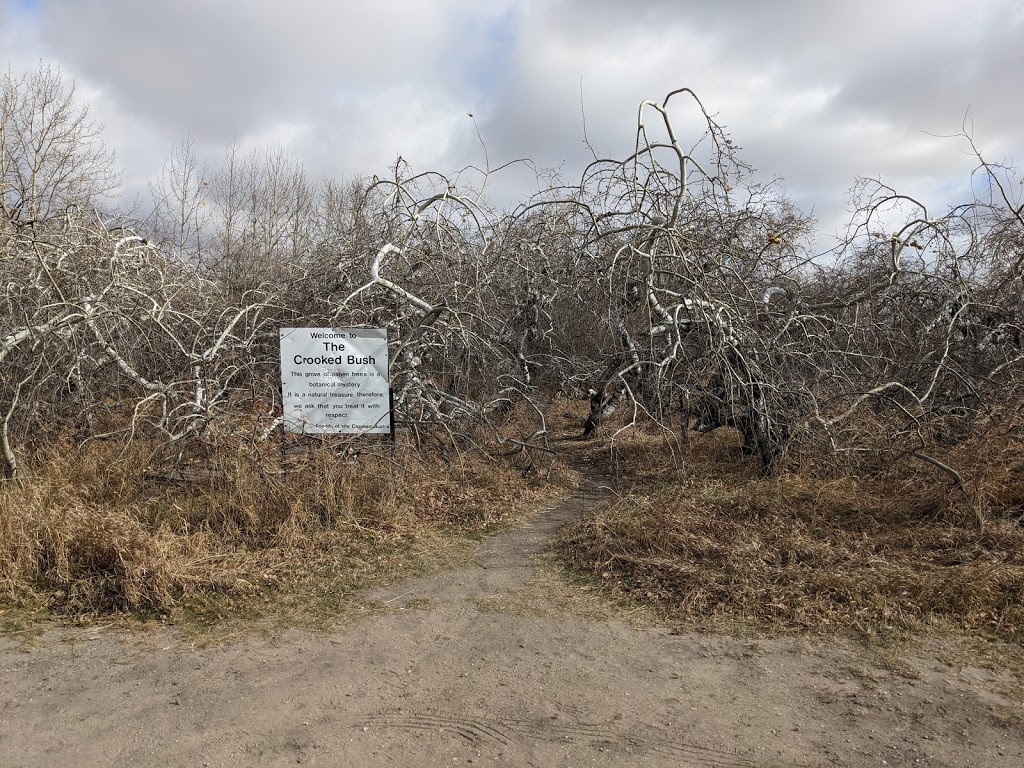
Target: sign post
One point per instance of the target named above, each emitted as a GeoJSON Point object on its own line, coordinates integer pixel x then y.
{"type": "Point", "coordinates": [335, 380]}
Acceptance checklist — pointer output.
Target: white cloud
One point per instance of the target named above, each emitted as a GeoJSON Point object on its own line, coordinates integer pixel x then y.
{"type": "Point", "coordinates": [816, 92]}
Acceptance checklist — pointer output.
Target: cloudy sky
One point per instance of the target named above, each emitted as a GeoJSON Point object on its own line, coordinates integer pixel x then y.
{"type": "Point", "coordinates": [814, 91]}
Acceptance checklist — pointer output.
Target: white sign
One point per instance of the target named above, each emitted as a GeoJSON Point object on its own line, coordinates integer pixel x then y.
{"type": "Point", "coordinates": [335, 380]}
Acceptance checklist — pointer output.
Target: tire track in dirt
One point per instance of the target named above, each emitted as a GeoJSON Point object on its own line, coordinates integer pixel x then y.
{"type": "Point", "coordinates": [509, 732]}
{"type": "Point", "coordinates": [473, 730]}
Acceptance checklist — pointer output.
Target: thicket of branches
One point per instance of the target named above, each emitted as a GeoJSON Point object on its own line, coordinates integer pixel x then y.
{"type": "Point", "coordinates": [669, 285]}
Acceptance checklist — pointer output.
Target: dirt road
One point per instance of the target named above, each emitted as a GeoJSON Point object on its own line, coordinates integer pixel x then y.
{"type": "Point", "coordinates": [456, 671]}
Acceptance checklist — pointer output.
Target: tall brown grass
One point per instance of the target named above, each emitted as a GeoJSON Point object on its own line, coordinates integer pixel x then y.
{"type": "Point", "coordinates": [706, 539]}
{"type": "Point", "coordinates": [99, 530]}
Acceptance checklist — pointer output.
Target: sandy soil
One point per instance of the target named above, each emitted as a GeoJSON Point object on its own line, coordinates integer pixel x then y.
{"type": "Point", "coordinates": [449, 674]}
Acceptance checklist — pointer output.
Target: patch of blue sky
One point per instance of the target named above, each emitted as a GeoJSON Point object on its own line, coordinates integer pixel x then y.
{"type": "Point", "coordinates": [20, 21]}
{"type": "Point", "coordinates": [493, 40]}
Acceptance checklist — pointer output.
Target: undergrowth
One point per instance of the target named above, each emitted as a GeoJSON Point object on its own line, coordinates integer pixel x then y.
{"type": "Point", "coordinates": [94, 531]}
{"type": "Point", "coordinates": [705, 539]}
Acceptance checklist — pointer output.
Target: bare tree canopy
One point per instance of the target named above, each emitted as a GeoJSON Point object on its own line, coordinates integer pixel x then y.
{"type": "Point", "coordinates": [670, 286]}
{"type": "Point", "coordinates": [51, 154]}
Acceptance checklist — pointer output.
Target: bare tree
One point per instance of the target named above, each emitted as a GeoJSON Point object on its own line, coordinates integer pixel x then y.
{"type": "Point", "coordinates": [51, 153]}
{"type": "Point", "coordinates": [181, 211]}
{"type": "Point", "coordinates": [669, 285]}
{"type": "Point", "coordinates": [264, 218]}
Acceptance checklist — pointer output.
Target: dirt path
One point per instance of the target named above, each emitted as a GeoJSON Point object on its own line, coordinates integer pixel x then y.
{"type": "Point", "coordinates": [454, 674]}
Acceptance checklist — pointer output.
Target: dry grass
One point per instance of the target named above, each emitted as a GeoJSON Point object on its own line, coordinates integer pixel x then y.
{"type": "Point", "coordinates": [705, 539]}
{"type": "Point", "coordinates": [89, 533]}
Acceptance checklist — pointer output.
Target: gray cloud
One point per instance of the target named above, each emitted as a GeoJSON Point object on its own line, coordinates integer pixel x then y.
{"type": "Point", "coordinates": [816, 92]}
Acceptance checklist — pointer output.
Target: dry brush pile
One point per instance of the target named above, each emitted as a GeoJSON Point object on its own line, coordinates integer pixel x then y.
{"type": "Point", "coordinates": [670, 287]}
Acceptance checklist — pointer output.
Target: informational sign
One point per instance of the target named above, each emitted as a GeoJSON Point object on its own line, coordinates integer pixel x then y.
{"type": "Point", "coordinates": [335, 380]}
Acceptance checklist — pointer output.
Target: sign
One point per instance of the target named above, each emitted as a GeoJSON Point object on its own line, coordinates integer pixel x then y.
{"type": "Point", "coordinates": [335, 380]}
